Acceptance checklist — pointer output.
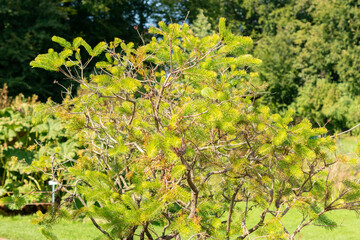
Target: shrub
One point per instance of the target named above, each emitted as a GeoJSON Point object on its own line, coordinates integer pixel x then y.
{"type": "Point", "coordinates": [330, 103]}
{"type": "Point", "coordinates": [28, 133]}
{"type": "Point", "coordinates": [175, 141]}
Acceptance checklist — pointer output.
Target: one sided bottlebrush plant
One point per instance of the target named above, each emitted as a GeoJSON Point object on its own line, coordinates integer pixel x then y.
{"type": "Point", "coordinates": [178, 149]}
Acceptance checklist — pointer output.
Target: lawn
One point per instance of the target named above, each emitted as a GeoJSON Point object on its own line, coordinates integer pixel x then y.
{"type": "Point", "coordinates": [347, 145]}
{"type": "Point", "coordinates": [20, 228]}
{"type": "Point", "coordinates": [348, 226]}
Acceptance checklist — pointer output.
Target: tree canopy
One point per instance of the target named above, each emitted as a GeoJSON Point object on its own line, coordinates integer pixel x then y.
{"type": "Point", "coordinates": [26, 27]}
{"type": "Point", "coordinates": [313, 45]}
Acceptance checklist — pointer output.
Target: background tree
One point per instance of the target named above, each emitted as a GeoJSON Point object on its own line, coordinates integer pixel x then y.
{"type": "Point", "coordinates": [26, 27]}
{"type": "Point", "coordinates": [234, 11]}
{"type": "Point", "coordinates": [105, 19]}
{"type": "Point", "coordinates": [313, 44]}
{"type": "Point", "coordinates": [177, 147]}
{"type": "Point", "coordinates": [301, 43]}
{"type": "Point", "coordinates": [201, 26]}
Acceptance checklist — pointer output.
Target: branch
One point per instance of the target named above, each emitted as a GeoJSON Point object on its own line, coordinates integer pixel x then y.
{"type": "Point", "coordinates": [133, 113]}
{"type": "Point", "coordinates": [349, 130]}
{"type": "Point", "coordinates": [254, 228]}
{"type": "Point", "coordinates": [222, 146]}
{"type": "Point", "coordinates": [302, 225]}
{"type": "Point", "coordinates": [93, 220]}
{"type": "Point", "coordinates": [167, 225]}
{"type": "Point", "coordinates": [168, 237]}
{"type": "Point", "coordinates": [231, 208]}
{"type": "Point", "coordinates": [215, 172]}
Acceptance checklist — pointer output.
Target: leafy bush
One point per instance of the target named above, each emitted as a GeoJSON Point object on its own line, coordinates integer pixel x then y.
{"type": "Point", "coordinates": [175, 140]}
{"type": "Point", "coordinates": [310, 51]}
{"type": "Point", "coordinates": [330, 104]}
{"type": "Point", "coordinates": [28, 133]}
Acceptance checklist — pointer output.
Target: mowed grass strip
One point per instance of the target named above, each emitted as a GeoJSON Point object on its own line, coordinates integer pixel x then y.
{"type": "Point", "coordinates": [20, 228]}
{"type": "Point", "coordinates": [348, 226]}
{"type": "Point", "coordinates": [347, 145]}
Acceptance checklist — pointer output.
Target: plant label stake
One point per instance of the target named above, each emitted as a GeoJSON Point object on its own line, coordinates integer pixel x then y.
{"type": "Point", "coordinates": [52, 183]}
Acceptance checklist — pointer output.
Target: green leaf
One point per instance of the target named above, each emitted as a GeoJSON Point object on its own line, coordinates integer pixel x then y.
{"type": "Point", "coordinates": [61, 41]}
{"type": "Point", "coordinates": [2, 191]}
{"type": "Point", "coordinates": [222, 27]}
{"type": "Point", "coordinates": [130, 84]}
{"type": "Point", "coordinates": [280, 137]}
{"type": "Point", "coordinates": [178, 171]}
{"type": "Point", "coordinates": [87, 47]}
{"type": "Point", "coordinates": [50, 61]}
{"type": "Point", "coordinates": [265, 149]}
{"type": "Point", "coordinates": [305, 152]}
{"type": "Point", "coordinates": [323, 220]}
{"type": "Point", "coordinates": [66, 53]}
{"type": "Point", "coordinates": [13, 202]}
{"type": "Point", "coordinates": [77, 55]}
{"type": "Point", "coordinates": [208, 92]}
{"type": "Point", "coordinates": [101, 79]}
{"type": "Point", "coordinates": [98, 49]}
{"type": "Point", "coordinates": [109, 58]}
{"type": "Point", "coordinates": [77, 42]}
{"type": "Point", "coordinates": [103, 65]}
{"type": "Point", "coordinates": [71, 63]}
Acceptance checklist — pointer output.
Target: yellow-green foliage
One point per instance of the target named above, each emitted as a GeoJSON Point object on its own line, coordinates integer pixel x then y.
{"type": "Point", "coordinates": [175, 138]}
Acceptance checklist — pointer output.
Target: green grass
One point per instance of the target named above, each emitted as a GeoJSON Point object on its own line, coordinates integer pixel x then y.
{"type": "Point", "coordinates": [347, 145]}
{"type": "Point", "coordinates": [348, 223]}
{"type": "Point", "coordinates": [348, 226]}
{"type": "Point", "coordinates": [20, 228]}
